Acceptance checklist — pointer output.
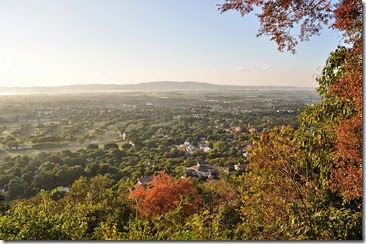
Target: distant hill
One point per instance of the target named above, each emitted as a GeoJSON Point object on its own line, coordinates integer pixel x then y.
{"type": "Point", "coordinates": [148, 86]}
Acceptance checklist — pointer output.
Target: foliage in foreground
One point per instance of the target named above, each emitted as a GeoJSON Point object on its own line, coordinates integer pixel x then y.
{"type": "Point", "coordinates": [300, 184]}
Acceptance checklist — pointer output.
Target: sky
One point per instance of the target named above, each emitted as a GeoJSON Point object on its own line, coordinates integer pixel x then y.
{"type": "Point", "coordinates": [65, 42]}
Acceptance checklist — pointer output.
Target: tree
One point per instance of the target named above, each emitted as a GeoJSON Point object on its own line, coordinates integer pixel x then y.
{"type": "Point", "coordinates": [342, 116]}
{"type": "Point", "coordinates": [286, 193]}
{"type": "Point", "coordinates": [126, 146]}
{"type": "Point", "coordinates": [16, 189]}
{"type": "Point", "coordinates": [341, 79]}
{"type": "Point", "coordinates": [321, 163]}
{"type": "Point", "coordinates": [77, 215]}
{"type": "Point", "coordinates": [164, 195]}
{"type": "Point", "coordinates": [347, 170]}
{"type": "Point", "coordinates": [110, 146]}
{"type": "Point", "coordinates": [93, 146]}
{"type": "Point", "coordinates": [3, 205]}
{"type": "Point", "coordinates": [278, 18]}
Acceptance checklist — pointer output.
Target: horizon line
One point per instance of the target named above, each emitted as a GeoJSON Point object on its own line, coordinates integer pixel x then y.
{"type": "Point", "coordinates": [147, 82]}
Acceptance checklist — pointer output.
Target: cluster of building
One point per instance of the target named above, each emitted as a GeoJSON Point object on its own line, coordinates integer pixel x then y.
{"type": "Point", "coordinates": [201, 171]}
{"type": "Point", "coordinates": [207, 172]}
{"type": "Point", "coordinates": [189, 149]}
{"type": "Point", "coordinates": [16, 147]}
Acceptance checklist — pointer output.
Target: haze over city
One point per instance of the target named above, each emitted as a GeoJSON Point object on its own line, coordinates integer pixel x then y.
{"type": "Point", "coordinates": [173, 120]}
{"type": "Point", "coordinates": [53, 43]}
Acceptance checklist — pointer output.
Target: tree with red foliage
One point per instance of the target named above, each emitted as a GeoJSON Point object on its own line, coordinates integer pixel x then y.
{"type": "Point", "coordinates": [286, 193]}
{"type": "Point", "coordinates": [316, 171]}
{"type": "Point", "coordinates": [277, 19]}
{"type": "Point", "coordinates": [347, 170]}
{"type": "Point", "coordinates": [165, 194]}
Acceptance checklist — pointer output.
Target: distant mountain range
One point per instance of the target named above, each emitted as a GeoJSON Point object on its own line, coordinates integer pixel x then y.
{"type": "Point", "coordinates": [149, 86]}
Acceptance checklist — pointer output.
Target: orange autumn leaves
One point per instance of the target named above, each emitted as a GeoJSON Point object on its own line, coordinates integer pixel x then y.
{"type": "Point", "coordinates": [277, 19]}
{"type": "Point", "coordinates": [164, 194]}
{"type": "Point", "coordinates": [347, 173]}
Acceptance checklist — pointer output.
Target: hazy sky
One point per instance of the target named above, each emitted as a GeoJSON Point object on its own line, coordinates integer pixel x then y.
{"type": "Point", "coordinates": [61, 42]}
